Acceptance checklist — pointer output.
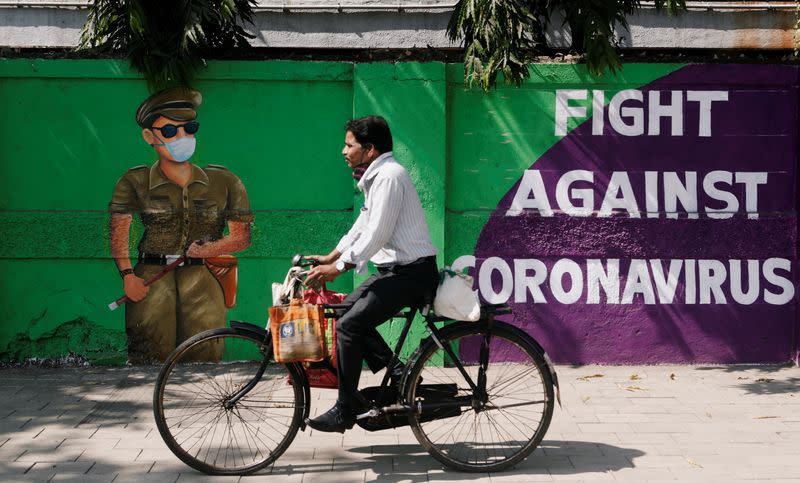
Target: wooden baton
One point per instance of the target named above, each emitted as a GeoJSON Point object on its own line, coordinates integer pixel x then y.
{"type": "Point", "coordinates": [172, 266]}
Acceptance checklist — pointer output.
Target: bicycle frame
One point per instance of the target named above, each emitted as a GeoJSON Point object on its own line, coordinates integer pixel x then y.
{"type": "Point", "coordinates": [435, 385]}
{"type": "Point", "coordinates": [404, 406]}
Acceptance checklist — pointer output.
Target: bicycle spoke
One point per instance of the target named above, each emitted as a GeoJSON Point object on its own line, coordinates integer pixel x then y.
{"type": "Point", "coordinates": [194, 420]}
{"type": "Point", "coordinates": [507, 422]}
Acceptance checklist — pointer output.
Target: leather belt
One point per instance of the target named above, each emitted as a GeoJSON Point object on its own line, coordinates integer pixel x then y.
{"type": "Point", "coordinates": [158, 259]}
{"type": "Point", "coordinates": [418, 261]}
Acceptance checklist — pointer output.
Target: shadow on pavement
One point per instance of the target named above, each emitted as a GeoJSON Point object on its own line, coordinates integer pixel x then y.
{"type": "Point", "coordinates": [410, 462]}
{"type": "Point", "coordinates": [760, 379]}
{"type": "Point", "coordinates": [49, 417]}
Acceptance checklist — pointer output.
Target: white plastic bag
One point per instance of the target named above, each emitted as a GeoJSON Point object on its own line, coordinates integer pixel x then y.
{"type": "Point", "coordinates": [283, 293]}
{"type": "Point", "coordinates": [455, 298]}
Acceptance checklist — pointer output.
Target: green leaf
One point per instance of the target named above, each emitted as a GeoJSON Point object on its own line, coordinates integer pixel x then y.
{"type": "Point", "coordinates": [502, 36]}
{"type": "Point", "coordinates": [168, 44]}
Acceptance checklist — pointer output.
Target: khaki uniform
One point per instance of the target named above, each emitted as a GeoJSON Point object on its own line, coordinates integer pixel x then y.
{"type": "Point", "coordinates": [187, 300]}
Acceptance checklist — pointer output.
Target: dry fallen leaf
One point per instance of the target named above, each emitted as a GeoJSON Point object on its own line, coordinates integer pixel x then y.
{"type": "Point", "coordinates": [764, 379]}
{"type": "Point", "coordinates": [631, 388]}
{"type": "Point", "coordinates": [740, 378]}
{"type": "Point", "coordinates": [693, 463]}
{"type": "Point", "coordinates": [672, 377]}
{"type": "Point", "coordinates": [586, 378]}
{"type": "Point", "coordinates": [766, 417]}
{"type": "Point", "coordinates": [635, 377]}
{"type": "Point", "coordinates": [586, 398]}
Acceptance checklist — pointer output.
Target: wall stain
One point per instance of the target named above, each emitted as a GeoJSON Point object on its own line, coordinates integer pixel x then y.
{"type": "Point", "coordinates": [82, 337]}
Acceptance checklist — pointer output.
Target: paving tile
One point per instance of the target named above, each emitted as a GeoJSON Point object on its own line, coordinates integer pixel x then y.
{"type": "Point", "coordinates": [67, 468]}
{"type": "Point", "coordinates": [201, 478]}
{"type": "Point", "coordinates": [515, 475]}
{"type": "Point", "coordinates": [450, 476]}
{"type": "Point", "coordinates": [355, 476]}
{"type": "Point", "coordinates": [269, 478]}
{"type": "Point", "coordinates": [56, 456]}
{"type": "Point", "coordinates": [83, 478]}
{"type": "Point", "coordinates": [42, 478]}
{"type": "Point", "coordinates": [13, 468]}
{"type": "Point", "coordinates": [166, 477]}
{"type": "Point", "coordinates": [111, 454]}
{"type": "Point", "coordinates": [398, 478]}
{"type": "Point", "coordinates": [702, 426]}
{"type": "Point", "coordinates": [606, 427]}
{"type": "Point", "coordinates": [106, 468]}
{"type": "Point", "coordinates": [103, 444]}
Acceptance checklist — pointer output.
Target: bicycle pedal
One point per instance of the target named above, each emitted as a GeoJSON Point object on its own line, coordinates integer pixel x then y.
{"type": "Point", "coordinates": [372, 413]}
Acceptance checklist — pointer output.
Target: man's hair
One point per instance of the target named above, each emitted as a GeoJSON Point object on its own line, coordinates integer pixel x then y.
{"type": "Point", "coordinates": [371, 130]}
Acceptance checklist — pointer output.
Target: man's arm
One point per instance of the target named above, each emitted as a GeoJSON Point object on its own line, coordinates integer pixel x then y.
{"type": "Point", "coordinates": [237, 239]}
{"type": "Point", "coordinates": [326, 259]}
{"type": "Point", "coordinates": [134, 286]}
{"type": "Point", "coordinates": [354, 232]}
{"type": "Point", "coordinates": [385, 210]}
{"type": "Point", "coordinates": [375, 231]}
{"type": "Point", "coordinates": [345, 242]}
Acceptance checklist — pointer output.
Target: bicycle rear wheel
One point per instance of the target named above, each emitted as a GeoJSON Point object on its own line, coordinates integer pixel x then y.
{"type": "Point", "coordinates": [481, 435]}
{"type": "Point", "coordinates": [201, 421]}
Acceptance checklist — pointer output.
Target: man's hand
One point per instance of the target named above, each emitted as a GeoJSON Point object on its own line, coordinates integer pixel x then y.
{"type": "Point", "coordinates": [322, 274]}
{"type": "Point", "coordinates": [322, 259]}
{"type": "Point", "coordinates": [134, 287]}
{"type": "Point", "coordinates": [200, 249]}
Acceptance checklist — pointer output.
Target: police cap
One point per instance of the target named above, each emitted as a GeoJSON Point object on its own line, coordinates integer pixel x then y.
{"type": "Point", "coordinates": [176, 103]}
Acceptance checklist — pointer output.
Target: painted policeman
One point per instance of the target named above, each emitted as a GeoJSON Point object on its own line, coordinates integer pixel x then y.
{"type": "Point", "coordinates": [183, 208]}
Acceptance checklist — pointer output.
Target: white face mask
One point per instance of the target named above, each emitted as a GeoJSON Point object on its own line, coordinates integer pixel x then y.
{"type": "Point", "coordinates": [180, 149]}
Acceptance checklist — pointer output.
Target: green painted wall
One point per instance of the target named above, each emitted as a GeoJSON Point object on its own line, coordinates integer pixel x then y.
{"type": "Point", "coordinates": [68, 133]}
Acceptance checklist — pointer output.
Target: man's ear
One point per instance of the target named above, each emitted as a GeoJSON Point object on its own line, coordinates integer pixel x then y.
{"type": "Point", "coordinates": [373, 153]}
{"type": "Point", "coordinates": [148, 136]}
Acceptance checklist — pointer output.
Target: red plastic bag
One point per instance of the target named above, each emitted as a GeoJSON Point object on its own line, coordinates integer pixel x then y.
{"type": "Point", "coordinates": [318, 373]}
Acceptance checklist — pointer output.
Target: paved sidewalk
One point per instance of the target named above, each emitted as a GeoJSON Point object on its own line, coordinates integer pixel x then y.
{"type": "Point", "coordinates": [631, 423]}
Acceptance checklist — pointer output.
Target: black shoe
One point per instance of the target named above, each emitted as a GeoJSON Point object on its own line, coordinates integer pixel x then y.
{"type": "Point", "coordinates": [336, 420]}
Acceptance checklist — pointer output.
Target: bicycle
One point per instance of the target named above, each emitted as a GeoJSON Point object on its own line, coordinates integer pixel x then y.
{"type": "Point", "coordinates": [464, 393]}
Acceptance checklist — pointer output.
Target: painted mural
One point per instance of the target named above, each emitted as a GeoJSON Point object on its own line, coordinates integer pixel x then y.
{"type": "Point", "coordinates": [647, 216]}
{"type": "Point", "coordinates": [184, 277]}
{"type": "Point", "coordinates": [662, 228]}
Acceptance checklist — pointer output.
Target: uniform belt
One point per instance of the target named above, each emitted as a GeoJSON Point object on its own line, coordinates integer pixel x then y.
{"type": "Point", "coordinates": [418, 261]}
{"type": "Point", "coordinates": [158, 259]}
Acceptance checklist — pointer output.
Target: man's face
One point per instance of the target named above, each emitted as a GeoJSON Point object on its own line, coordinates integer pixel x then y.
{"type": "Point", "coordinates": [157, 137]}
{"type": "Point", "coordinates": [354, 153]}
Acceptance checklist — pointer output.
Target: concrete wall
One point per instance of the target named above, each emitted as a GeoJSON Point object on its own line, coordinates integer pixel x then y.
{"type": "Point", "coordinates": [353, 27]}
{"type": "Point", "coordinates": [68, 134]}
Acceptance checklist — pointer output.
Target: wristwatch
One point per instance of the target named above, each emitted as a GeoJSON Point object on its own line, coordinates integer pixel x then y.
{"type": "Point", "coordinates": [126, 272]}
{"type": "Point", "coordinates": [341, 266]}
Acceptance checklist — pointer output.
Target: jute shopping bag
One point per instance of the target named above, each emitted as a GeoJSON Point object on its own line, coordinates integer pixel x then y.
{"type": "Point", "coordinates": [297, 332]}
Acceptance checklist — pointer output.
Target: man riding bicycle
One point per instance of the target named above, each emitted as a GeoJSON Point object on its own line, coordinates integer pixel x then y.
{"type": "Point", "coordinates": [392, 233]}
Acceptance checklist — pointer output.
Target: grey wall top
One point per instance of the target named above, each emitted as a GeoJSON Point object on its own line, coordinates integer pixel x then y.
{"type": "Point", "coordinates": [360, 24]}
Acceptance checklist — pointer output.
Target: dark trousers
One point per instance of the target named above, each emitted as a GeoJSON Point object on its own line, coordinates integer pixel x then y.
{"type": "Point", "coordinates": [374, 302]}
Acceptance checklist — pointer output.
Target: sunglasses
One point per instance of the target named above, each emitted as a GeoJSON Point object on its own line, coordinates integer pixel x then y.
{"type": "Point", "coordinates": [171, 130]}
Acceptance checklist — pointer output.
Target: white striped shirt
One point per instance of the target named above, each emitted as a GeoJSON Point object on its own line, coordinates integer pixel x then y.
{"type": "Point", "coordinates": [391, 227]}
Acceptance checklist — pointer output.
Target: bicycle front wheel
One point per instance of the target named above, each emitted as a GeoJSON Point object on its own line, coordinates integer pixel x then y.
{"type": "Point", "coordinates": [228, 417]}
{"type": "Point", "coordinates": [481, 434]}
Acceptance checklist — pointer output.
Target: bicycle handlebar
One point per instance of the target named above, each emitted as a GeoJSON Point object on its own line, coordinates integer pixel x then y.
{"type": "Point", "coordinates": [301, 261]}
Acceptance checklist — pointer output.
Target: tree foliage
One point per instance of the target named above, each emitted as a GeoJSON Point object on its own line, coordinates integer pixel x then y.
{"type": "Point", "coordinates": [168, 42]}
{"type": "Point", "coordinates": [502, 36]}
